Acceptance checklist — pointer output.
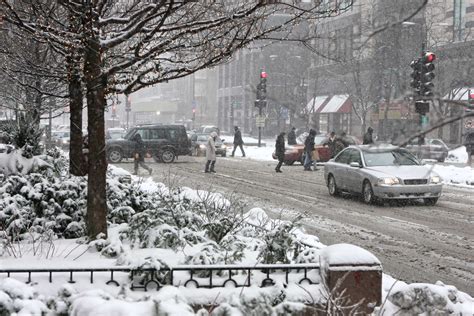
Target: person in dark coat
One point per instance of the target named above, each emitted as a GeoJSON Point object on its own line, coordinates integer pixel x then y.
{"type": "Point", "coordinates": [331, 143]}
{"type": "Point", "coordinates": [139, 154]}
{"type": "Point", "coordinates": [469, 143]}
{"type": "Point", "coordinates": [308, 150]}
{"type": "Point", "coordinates": [292, 136]}
{"type": "Point", "coordinates": [368, 137]}
{"type": "Point", "coordinates": [238, 142]}
{"type": "Point", "coordinates": [340, 143]}
{"type": "Point", "coordinates": [280, 150]}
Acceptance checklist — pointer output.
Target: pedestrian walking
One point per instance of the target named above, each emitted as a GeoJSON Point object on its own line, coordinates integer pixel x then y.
{"type": "Point", "coordinates": [469, 143]}
{"type": "Point", "coordinates": [211, 153]}
{"type": "Point", "coordinates": [340, 143]}
{"type": "Point", "coordinates": [331, 143]}
{"type": "Point", "coordinates": [308, 150]}
{"type": "Point", "coordinates": [292, 136]}
{"type": "Point", "coordinates": [280, 150]}
{"type": "Point", "coordinates": [139, 155]}
{"type": "Point", "coordinates": [368, 137]}
{"type": "Point", "coordinates": [238, 142]}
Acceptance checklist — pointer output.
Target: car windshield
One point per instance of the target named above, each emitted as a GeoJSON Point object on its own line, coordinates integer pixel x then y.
{"type": "Point", "coordinates": [320, 139]}
{"type": "Point", "coordinates": [129, 133]}
{"type": "Point", "coordinates": [60, 134]}
{"type": "Point", "coordinates": [390, 158]}
{"type": "Point", "coordinates": [202, 138]}
{"type": "Point", "coordinates": [116, 134]}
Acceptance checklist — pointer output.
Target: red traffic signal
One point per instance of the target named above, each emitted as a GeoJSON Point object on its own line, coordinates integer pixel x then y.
{"type": "Point", "coordinates": [429, 57]}
{"type": "Point", "coordinates": [263, 75]}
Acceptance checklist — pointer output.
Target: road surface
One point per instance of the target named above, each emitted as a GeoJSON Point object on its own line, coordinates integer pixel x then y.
{"type": "Point", "coordinates": [415, 243]}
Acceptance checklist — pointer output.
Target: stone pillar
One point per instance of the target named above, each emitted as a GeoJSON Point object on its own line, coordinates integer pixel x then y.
{"type": "Point", "coordinates": [353, 277]}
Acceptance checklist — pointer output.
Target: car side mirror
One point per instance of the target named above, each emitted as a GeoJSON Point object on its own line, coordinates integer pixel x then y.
{"type": "Point", "coordinates": [355, 164]}
{"type": "Point", "coordinates": [222, 140]}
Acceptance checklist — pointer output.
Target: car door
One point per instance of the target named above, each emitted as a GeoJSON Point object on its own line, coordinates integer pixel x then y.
{"type": "Point", "coordinates": [340, 168]}
{"type": "Point", "coordinates": [353, 174]}
{"type": "Point", "coordinates": [178, 139]}
{"type": "Point", "coordinates": [158, 139]}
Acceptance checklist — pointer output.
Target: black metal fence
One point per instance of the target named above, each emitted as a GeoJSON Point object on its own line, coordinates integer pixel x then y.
{"type": "Point", "coordinates": [197, 276]}
{"type": "Point", "coordinates": [205, 276]}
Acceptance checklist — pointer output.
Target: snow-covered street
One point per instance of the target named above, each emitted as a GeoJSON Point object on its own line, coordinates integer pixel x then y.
{"type": "Point", "coordinates": [415, 242]}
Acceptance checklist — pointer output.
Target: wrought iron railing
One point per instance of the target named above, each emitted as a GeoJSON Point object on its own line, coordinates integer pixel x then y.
{"type": "Point", "coordinates": [205, 276]}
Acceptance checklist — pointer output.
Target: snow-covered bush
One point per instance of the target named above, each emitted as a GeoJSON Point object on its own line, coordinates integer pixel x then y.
{"type": "Point", "coordinates": [279, 241]}
{"type": "Point", "coordinates": [429, 299]}
{"type": "Point", "coordinates": [24, 133]}
{"type": "Point", "coordinates": [18, 297]}
{"type": "Point", "coordinates": [308, 255]}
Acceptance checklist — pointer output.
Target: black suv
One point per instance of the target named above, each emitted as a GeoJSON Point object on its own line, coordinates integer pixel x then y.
{"type": "Point", "coordinates": [163, 142]}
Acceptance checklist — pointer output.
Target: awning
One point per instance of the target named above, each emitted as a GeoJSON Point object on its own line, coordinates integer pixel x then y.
{"type": "Point", "coordinates": [315, 104]}
{"type": "Point", "coordinates": [338, 104]}
{"type": "Point", "coordinates": [459, 94]}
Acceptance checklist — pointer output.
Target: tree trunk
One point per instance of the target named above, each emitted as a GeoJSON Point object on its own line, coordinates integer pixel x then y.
{"type": "Point", "coordinates": [76, 159]}
{"type": "Point", "coordinates": [96, 219]}
{"type": "Point", "coordinates": [77, 164]}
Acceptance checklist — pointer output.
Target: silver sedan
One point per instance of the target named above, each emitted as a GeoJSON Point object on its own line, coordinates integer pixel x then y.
{"type": "Point", "coordinates": [382, 172]}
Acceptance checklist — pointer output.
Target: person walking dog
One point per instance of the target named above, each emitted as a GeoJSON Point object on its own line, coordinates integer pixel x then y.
{"type": "Point", "coordinates": [139, 155]}
{"type": "Point", "coordinates": [211, 153]}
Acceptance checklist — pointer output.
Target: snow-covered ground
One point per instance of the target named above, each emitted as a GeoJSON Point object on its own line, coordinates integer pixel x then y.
{"type": "Point", "coordinates": [458, 155]}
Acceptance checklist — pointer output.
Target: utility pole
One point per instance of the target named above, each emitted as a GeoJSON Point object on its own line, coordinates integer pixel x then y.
{"type": "Point", "coordinates": [261, 102]}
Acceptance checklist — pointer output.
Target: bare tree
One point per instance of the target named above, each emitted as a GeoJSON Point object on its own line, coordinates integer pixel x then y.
{"type": "Point", "coordinates": [132, 44]}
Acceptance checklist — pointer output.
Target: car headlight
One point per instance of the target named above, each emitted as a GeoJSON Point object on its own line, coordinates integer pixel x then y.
{"type": "Point", "coordinates": [435, 179]}
{"type": "Point", "coordinates": [224, 146]}
{"type": "Point", "coordinates": [202, 146]}
{"type": "Point", "coordinates": [389, 181]}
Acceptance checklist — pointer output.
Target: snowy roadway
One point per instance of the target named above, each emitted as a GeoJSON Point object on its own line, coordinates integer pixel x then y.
{"type": "Point", "coordinates": [415, 243]}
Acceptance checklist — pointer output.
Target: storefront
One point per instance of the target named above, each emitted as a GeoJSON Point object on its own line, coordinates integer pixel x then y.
{"type": "Point", "coordinates": [333, 113]}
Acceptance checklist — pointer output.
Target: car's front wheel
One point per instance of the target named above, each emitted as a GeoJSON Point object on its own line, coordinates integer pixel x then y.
{"type": "Point", "coordinates": [115, 155]}
{"type": "Point", "coordinates": [167, 156]}
{"type": "Point", "coordinates": [430, 201]}
{"type": "Point", "coordinates": [332, 187]}
{"type": "Point", "coordinates": [368, 193]}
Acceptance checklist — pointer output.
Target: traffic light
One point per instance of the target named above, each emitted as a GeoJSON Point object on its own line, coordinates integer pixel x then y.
{"type": "Point", "coordinates": [261, 99]}
{"type": "Point", "coordinates": [422, 107]}
{"type": "Point", "coordinates": [263, 83]}
{"type": "Point", "coordinates": [427, 74]}
{"type": "Point", "coordinates": [416, 75]}
{"type": "Point", "coordinates": [470, 98]}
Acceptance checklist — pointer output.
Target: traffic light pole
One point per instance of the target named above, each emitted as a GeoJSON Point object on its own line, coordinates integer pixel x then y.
{"type": "Point", "coordinates": [259, 127]}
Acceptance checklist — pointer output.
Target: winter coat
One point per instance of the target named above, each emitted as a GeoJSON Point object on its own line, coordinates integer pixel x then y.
{"type": "Point", "coordinates": [367, 139]}
{"type": "Point", "coordinates": [280, 147]}
{"type": "Point", "coordinates": [139, 148]}
{"type": "Point", "coordinates": [331, 143]}
{"type": "Point", "coordinates": [339, 144]}
{"type": "Point", "coordinates": [469, 142]}
{"type": "Point", "coordinates": [309, 143]}
{"type": "Point", "coordinates": [238, 138]}
{"type": "Point", "coordinates": [292, 138]}
{"type": "Point", "coordinates": [211, 147]}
